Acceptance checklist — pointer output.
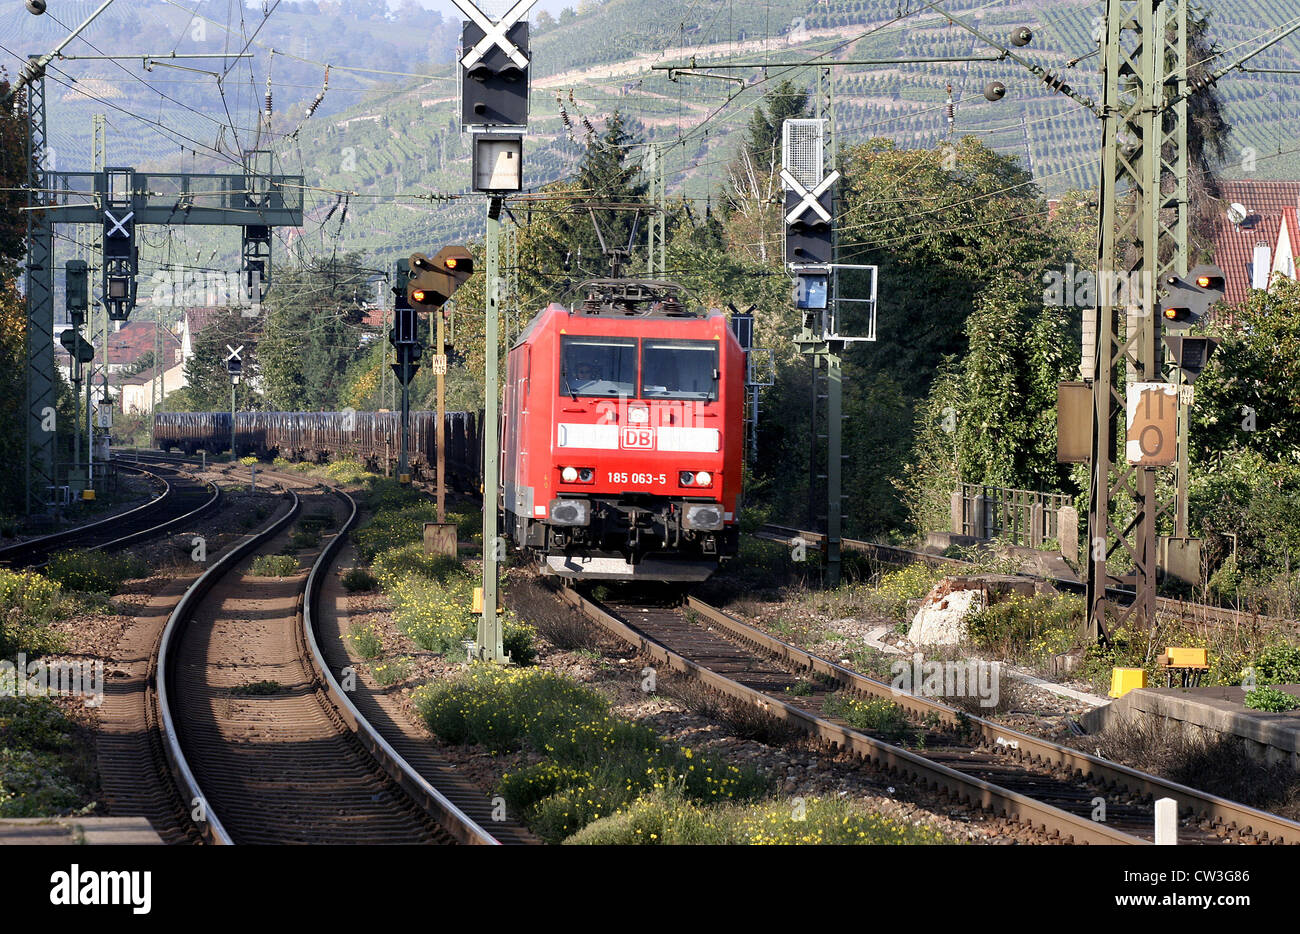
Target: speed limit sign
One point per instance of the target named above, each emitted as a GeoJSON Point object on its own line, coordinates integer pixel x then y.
{"type": "Point", "coordinates": [1152, 420]}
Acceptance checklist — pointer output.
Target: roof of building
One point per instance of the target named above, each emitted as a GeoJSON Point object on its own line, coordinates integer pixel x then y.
{"type": "Point", "coordinates": [1266, 204]}
{"type": "Point", "coordinates": [200, 316]}
{"type": "Point", "coordinates": [1259, 196]}
{"type": "Point", "coordinates": [144, 376]}
{"type": "Point", "coordinates": [135, 339]}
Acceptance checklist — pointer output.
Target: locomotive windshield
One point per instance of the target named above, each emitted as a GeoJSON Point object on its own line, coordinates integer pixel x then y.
{"type": "Point", "coordinates": [679, 369]}
{"type": "Point", "coordinates": [598, 366]}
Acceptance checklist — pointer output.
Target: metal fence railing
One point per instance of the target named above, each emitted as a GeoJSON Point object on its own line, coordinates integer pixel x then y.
{"type": "Point", "coordinates": [1022, 517]}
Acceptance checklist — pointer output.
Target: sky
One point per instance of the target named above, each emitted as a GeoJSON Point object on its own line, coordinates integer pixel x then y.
{"type": "Point", "coordinates": [447, 8]}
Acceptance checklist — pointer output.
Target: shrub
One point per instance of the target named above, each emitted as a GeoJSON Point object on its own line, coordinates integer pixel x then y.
{"type": "Point", "coordinates": [1019, 626]}
{"type": "Point", "coordinates": [35, 596]}
{"type": "Point", "coordinates": [248, 461]}
{"type": "Point", "coordinates": [876, 715]}
{"type": "Point", "coordinates": [594, 762]}
{"type": "Point", "coordinates": [393, 671]}
{"type": "Point", "coordinates": [500, 707]}
{"type": "Point", "coordinates": [258, 688]}
{"type": "Point", "coordinates": [519, 640]}
{"type": "Point", "coordinates": [667, 817]}
{"type": "Point", "coordinates": [274, 566]}
{"type": "Point", "coordinates": [1278, 664]}
{"type": "Point", "coordinates": [390, 528]}
{"type": "Point", "coordinates": [891, 595]}
{"type": "Point", "coordinates": [358, 579]}
{"type": "Point", "coordinates": [435, 616]}
{"type": "Point", "coordinates": [1271, 699]}
{"type": "Point", "coordinates": [305, 537]}
{"type": "Point", "coordinates": [394, 564]}
{"type": "Point", "coordinates": [367, 640]}
{"type": "Point", "coordinates": [94, 570]}
{"type": "Point", "coordinates": [345, 471]}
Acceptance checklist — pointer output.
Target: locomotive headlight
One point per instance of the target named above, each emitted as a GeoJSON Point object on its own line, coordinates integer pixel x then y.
{"type": "Point", "coordinates": [586, 474]}
{"type": "Point", "coordinates": [569, 474]}
{"type": "Point", "coordinates": [686, 478]}
{"type": "Point", "coordinates": [703, 478]}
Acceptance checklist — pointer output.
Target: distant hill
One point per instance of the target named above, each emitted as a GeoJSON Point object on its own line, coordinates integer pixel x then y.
{"type": "Point", "coordinates": [384, 135]}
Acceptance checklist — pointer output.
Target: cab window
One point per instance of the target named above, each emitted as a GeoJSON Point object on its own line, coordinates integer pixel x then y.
{"type": "Point", "coordinates": [679, 369]}
{"type": "Point", "coordinates": [597, 366]}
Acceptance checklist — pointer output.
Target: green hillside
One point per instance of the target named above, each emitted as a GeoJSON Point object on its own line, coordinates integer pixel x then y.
{"type": "Point", "coordinates": [381, 144]}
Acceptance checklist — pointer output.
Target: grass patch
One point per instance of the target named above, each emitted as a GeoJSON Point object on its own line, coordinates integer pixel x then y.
{"type": "Point", "coordinates": [356, 580]}
{"type": "Point", "coordinates": [274, 566]}
{"type": "Point", "coordinates": [258, 688]}
{"type": "Point", "coordinates": [876, 715]}
{"type": "Point", "coordinates": [668, 817]}
{"type": "Point", "coordinates": [593, 762]}
{"type": "Point", "coordinates": [94, 571]}
{"type": "Point", "coordinates": [44, 769]}
{"type": "Point", "coordinates": [393, 671]}
{"type": "Point", "coordinates": [366, 639]}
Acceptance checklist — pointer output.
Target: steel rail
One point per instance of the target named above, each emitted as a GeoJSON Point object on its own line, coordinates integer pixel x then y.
{"type": "Point", "coordinates": [1011, 742]}
{"type": "Point", "coordinates": [452, 818]}
{"type": "Point", "coordinates": [54, 539]}
{"type": "Point", "coordinates": [208, 823]}
{"type": "Point", "coordinates": [895, 759]}
{"type": "Point", "coordinates": [48, 542]}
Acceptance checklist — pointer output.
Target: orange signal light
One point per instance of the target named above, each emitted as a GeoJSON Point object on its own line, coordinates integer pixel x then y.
{"type": "Point", "coordinates": [1172, 313]}
{"type": "Point", "coordinates": [451, 262]}
{"type": "Point", "coordinates": [1203, 281]}
{"type": "Point", "coordinates": [419, 295]}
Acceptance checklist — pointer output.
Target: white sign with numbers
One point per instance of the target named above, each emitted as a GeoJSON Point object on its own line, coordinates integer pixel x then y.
{"type": "Point", "coordinates": [440, 364]}
{"type": "Point", "coordinates": [1152, 421]}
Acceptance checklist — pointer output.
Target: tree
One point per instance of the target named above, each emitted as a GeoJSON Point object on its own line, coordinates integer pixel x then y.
{"type": "Point", "coordinates": [750, 200]}
{"type": "Point", "coordinates": [607, 174]}
{"type": "Point", "coordinates": [207, 382]}
{"type": "Point", "coordinates": [13, 316]}
{"type": "Point", "coordinates": [311, 334]}
{"type": "Point", "coordinates": [990, 416]}
{"type": "Point", "coordinates": [1248, 397]}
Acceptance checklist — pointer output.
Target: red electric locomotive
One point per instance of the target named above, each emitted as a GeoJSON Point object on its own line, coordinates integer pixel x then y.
{"type": "Point", "coordinates": [622, 436]}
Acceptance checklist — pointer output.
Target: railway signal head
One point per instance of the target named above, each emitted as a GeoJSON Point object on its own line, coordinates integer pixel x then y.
{"type": "Point", "coordinates": [433, 281]}
{"type": "Point", "coordinates": [77, 289]}
{"type": "Point", "coordinates": [494, 83]}
{"type": "Point", "coordinates": [401, 279]}
{"type": "Point", "coordinates": [1191, 297]}
{"type": "Point", "coordinates": [1190, 354]}
{"type": "Point", "coordinates": [404, 327]}
{"type": "Point", "coordinates": [808, 238]}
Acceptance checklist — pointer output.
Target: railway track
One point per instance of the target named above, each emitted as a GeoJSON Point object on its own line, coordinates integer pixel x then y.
{"type": "Point", "coordinates": [891, 554]}
{"type": "Point", "coordinates": [1049, 787]}
{"type": "Point", "coordinates": [183, 499]}
{"type": "Point", "coordinates": [261, 740]}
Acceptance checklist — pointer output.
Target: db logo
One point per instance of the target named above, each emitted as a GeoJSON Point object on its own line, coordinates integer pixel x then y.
{"type": "Point", "coordinates": [639, 438]}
